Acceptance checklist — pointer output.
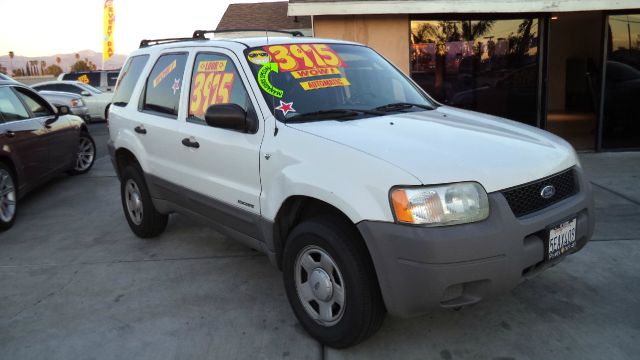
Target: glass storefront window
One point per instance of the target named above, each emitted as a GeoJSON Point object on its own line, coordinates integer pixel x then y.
{"type": "Point", "coordinates": [489, 66]}
{"type": "Point", "coordinates": [621, 115]}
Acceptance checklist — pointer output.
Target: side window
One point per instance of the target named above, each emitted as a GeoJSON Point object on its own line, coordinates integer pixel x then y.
{"type": "Point", "coordinates": [45, 87]}
{"type": "Point", "coordinates": [215, 80]}
{"type": "Point", "coordinates": [69, 88]}
{"type": "Point", "coordinates": [37, 105]}
{"type": "Point", "coordinates": [112, 77]}
{"type": "Point", "coordinates": [11, 108]}
{"type": "Point", "coordinates": [162, 92]}
{"type": "Point", "coordinates": [128, 79]}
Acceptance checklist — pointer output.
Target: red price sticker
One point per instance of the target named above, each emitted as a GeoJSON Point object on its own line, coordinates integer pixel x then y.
{"type": "Point", "coordinates": [294, 57]}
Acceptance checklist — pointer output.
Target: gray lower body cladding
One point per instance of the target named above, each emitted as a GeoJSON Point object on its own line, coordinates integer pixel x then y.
{"type": "Point", "coordinates": [421, 268]}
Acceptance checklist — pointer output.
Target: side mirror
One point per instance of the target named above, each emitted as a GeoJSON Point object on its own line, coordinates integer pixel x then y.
{"type": "Point", "coordinates": [63, 110]}
{"type": "Point", "coordinates": [230, 116]}
{"type": "Point", "coordinates": [85, 93]}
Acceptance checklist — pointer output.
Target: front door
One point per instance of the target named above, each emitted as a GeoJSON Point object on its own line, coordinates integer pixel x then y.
{"type": "Point", "coordinates": [224, 168]}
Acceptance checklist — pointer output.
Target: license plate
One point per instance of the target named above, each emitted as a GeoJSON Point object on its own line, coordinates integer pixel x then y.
{"type": "Point", "coordinates": [562, 238]}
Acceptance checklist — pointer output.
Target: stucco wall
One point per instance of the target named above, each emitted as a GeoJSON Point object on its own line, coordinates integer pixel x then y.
{"type": "Point", "coordinates": [387, 34]}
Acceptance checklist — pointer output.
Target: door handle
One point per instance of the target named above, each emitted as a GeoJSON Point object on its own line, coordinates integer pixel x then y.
{"type": "Point", "coordinates": [190, 142]}
{"type": "Point", "coordinates": [10, 133]}
{"type": "Point", "coordinates": [140, 129]}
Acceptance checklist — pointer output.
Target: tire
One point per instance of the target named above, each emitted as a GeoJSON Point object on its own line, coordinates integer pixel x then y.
{"type": "Point", "coordinates": [85, 154]}
{"type": "Point", "coordinates": [8, 197]}
{"type": "Point", "coordinates": [351, 270]}
{"type": "Point", "coordinates": [143, 218]}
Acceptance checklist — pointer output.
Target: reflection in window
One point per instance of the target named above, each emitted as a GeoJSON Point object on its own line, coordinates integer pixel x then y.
{"type": "Point", "coordinates": [621, 123]}
{"type": "Point", "coordinates": [489, 66]}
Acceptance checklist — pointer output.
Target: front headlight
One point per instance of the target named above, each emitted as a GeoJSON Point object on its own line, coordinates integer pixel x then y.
{"type": "Point", "coordinates": [441, 205]}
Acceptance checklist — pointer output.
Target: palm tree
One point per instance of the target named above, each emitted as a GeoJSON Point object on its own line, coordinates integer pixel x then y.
{"type": "Point", "coordinates": [11, 55]}
{"type": "Point", "coordinates": [58, 60]}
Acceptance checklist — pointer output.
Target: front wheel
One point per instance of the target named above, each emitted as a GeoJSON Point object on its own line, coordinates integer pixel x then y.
{"type": "Point", "coordinates": [330, 282]}
{"type": "Point", "coordinates": [8, 198]}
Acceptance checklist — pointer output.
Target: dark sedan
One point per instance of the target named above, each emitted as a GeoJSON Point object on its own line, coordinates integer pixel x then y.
{"type": "Point", "coordinates": [37, 141]}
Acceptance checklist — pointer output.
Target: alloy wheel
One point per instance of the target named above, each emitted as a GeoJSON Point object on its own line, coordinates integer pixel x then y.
{"type": "Point", "coordinates": [7, 196]}
{"type": "Point", "coordinates": [86, 153]}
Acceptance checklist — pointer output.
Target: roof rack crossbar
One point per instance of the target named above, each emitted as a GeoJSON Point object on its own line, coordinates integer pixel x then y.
{"type": "Point", "coordinates": [149, 42]}
{"type": "Point", "coordinates": [199, 34]}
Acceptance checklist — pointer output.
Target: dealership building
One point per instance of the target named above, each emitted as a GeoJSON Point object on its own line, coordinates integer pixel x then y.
{"type": "Point", "coordinates": [569, 66]}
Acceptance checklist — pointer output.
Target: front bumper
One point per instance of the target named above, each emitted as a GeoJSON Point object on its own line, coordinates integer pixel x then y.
{"type": "Point", "coordinates": [421, 268]}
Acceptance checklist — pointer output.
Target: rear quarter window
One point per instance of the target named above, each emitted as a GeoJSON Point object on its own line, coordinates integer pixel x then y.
{"type": "Point", "coordinates": [128, 79]}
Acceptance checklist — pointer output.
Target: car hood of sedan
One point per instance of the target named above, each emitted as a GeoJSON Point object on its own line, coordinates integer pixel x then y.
{"type": "Point", "coordinates": [450, 145]}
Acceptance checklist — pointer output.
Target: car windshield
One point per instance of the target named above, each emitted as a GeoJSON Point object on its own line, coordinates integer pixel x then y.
{"type": "Point", "coordinates": [312, 82]}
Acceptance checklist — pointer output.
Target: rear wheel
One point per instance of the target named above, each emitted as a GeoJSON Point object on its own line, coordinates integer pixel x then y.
{"type": "Point", "coordinates": [330, 282]}
{"type": "Point", "coordinates": [143, 218]}
{"type": "Point", "coordinates": [8, 198]}
{"type": "Point", "coordinates": [85, 154]}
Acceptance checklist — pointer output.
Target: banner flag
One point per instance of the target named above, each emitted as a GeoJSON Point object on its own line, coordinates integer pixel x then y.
{"type": "Point", "coordinates": [109, 23]}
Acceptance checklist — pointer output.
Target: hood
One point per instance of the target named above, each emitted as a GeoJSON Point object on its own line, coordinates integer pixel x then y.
{"type": "Point", "coordinates": [450, 145]}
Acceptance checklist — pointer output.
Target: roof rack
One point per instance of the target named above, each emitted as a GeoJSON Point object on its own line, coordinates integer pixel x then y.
{"type": "Point", "coordinates": [199, 34]}
{"type": "Point", "coordinates": [149, 42]}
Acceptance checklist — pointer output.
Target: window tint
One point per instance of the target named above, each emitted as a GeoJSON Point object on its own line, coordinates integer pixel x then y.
{"type": "Point", "coordinates": [162, 92]}
{"type": "Point", "coordinates": [92, 78]}
{"type": "Point", "coordinates": [11, 108]}
{"type": "Point", "coordinates": [45, 87]}
{"type": "Point", "coordinates": [128, 79]}
{"type": "Point", "coordinates": [67, 88]}
{"type": "Point", "coordinates": [112, 77]}
{"type": "Point", "coordinates": [37, 105]}
{"type": "Point", "coordinates": [215, 80]}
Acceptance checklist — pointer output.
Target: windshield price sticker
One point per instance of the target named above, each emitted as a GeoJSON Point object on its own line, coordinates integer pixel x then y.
{"type": "Point", "coordinates": [209, 88]}
{"type": "Point", "coordinates": [324, 83]}
{"type": "Point", "coordinates": [296, 57]}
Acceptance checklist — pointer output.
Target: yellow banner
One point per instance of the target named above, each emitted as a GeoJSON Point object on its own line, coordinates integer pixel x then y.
{"type": "Point", "coordinates": [109, 23]}
{"type": "Point", "coordinates": [324, 83]}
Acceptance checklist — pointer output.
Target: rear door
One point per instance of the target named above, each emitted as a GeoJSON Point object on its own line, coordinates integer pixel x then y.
{"type": "Point", "coordinates": [226, 165]}
{"type": "Point", "coordinates": [156, 124]}
{"type": "Point", "coordinates": [23, 138]}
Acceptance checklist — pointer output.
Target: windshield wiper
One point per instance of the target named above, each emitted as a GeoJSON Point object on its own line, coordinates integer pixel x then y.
{"type": "Point", "coordinates": [401, 106]}
{"type": "Point", "coordinates": [331, 114]}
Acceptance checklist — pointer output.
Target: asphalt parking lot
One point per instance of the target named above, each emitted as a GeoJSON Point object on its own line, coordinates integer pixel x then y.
{"type": "Point", "coordinates": [75, 283]}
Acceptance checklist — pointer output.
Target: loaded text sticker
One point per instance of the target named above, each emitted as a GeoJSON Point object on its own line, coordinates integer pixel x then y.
{"type": "Point", "coordinates": [215, 65]}
{"type": "Point", "coordinates": [163, 74]}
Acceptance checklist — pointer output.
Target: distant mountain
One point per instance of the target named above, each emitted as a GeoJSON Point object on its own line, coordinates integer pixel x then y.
{"type": "Point", "coordinates": [67, 60]}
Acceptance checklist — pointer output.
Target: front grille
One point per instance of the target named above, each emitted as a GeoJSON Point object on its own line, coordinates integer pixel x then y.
{"type": "Point", "coordinates": [527, 198]}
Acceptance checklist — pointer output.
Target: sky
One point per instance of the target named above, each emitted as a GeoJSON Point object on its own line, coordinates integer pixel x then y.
{"type": "Point", "coordinates": [48, 27]}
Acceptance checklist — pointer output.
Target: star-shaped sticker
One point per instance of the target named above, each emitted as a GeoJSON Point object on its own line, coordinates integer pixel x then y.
{"type": "Point", "coordinates": [286, 107]}
{"type": "Point", "coordinates": [175, 86]}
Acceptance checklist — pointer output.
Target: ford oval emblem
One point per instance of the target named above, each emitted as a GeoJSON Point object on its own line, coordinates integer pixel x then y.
{"type": "Point", "coordinates": [548, 191]}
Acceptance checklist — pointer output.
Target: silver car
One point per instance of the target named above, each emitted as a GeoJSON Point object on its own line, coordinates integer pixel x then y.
{"type": "Point", "coordinates": [95, 99]}
{"type": "Point", "coordinates": [72, 101]}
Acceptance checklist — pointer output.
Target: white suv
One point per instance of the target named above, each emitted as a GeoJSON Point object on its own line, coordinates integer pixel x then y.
{"type": "Point", "coordinates": [369, 195]}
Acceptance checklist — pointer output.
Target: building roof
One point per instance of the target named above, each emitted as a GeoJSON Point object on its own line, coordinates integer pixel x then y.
{"type": "Point", "coordinates": [266, 15]}
{"type": "Point", "coordinates": [353, 7]}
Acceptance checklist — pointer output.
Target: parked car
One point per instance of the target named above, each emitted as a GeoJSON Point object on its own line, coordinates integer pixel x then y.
{"type": "Point", "coordinates": [369, 195]}
{"type": "Point", "coordinates": [6, 77]}
{"type": "Point", "coordinates": [95, 99]}
{"type": "Point", "coordinates": [37, 141]}
{"type": "Point", "coordinates": [72, 101]}
{"type": "Point", "coordinates": [104, 80]}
